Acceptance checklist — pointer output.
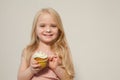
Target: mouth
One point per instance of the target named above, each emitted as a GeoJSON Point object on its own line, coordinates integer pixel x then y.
{"type": "Point", "coordinates": [49, 35]}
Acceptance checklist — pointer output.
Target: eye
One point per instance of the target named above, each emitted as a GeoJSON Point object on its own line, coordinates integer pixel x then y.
{"type": "Point", "coordinates": [42, 25]}
{"type": "Point", "coordinates": [53, 25]}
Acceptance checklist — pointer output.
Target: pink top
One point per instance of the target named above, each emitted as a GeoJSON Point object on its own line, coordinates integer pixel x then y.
{"type": "Point", "coordinates": [45, 74]}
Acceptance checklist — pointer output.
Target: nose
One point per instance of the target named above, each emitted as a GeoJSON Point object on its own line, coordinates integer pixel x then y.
{"type": "Point", "coordinates": [48, 30]}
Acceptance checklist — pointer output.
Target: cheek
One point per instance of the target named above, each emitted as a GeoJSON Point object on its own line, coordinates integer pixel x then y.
{"type": "Point", "coordinates": [38, 31]}
{"type": "Point", "coordinates": [57, 33]}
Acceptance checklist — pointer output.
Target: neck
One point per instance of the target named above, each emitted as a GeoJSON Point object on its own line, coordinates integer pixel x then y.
{"type": "Point", "coordinates": [44, 47]}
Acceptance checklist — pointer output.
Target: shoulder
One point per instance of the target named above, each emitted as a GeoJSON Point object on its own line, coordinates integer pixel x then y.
{"type": "Point", "coordinates": [24, 52]}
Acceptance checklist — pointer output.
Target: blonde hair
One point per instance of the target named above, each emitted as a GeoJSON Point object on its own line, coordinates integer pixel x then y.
{"type": "Point", "coordinates": [60, 46]}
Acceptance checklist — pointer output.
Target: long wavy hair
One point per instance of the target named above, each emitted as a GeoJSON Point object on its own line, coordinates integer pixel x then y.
{"type": "Point", "coordinates": [60, 46]}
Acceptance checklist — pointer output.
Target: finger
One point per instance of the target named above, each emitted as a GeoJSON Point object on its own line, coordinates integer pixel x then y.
{"type": "Point", "coordinates": [35, 66]}
{"type": "Point", "coordinates": [55, 58]}
{"type": "Point", "coordinates": [33, 61]}
{"type": "Point", "coordinates": [36, 70]}
{"type": "Point", "coordinates": [51, 57]}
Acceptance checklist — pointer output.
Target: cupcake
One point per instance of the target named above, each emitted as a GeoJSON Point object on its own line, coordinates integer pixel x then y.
{"type": "Point", "coordinates": [41, 58]}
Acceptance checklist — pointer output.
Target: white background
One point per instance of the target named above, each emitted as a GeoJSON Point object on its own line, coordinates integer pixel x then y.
{"type": "Point", "coordinates": [92, 28]}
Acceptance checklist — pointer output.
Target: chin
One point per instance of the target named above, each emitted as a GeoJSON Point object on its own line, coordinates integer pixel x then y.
{"type": "Point", "coordinates": [50, 42]}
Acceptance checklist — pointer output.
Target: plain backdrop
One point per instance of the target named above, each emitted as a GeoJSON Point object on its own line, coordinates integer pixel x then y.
{"type": "Point", "coordinates": [92, 28]}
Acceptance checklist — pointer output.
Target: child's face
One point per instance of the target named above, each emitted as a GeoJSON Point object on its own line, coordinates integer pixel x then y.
{"type": "Point", "coordinates": [47, 30]}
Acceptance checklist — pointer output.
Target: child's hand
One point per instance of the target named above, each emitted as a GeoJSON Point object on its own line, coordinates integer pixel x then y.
{"type": "Point", "coordinates": [35, 66]}
{"type": "Point", "coordinates": [54, 61]}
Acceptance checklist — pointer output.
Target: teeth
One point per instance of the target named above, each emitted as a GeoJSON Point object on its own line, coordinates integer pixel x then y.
{"type": "Point", "coordinates": [48, 34]}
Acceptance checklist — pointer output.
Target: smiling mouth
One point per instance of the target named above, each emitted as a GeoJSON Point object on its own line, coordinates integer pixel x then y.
{"type": "Point", "coordinates": [48, 34]}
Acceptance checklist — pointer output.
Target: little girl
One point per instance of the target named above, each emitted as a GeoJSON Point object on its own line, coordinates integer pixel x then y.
{"type": "Point", "coordinates": [47, 36]}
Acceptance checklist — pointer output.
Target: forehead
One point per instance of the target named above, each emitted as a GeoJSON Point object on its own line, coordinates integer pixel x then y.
{"type": "Point", "coordinates": [46, 18]}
